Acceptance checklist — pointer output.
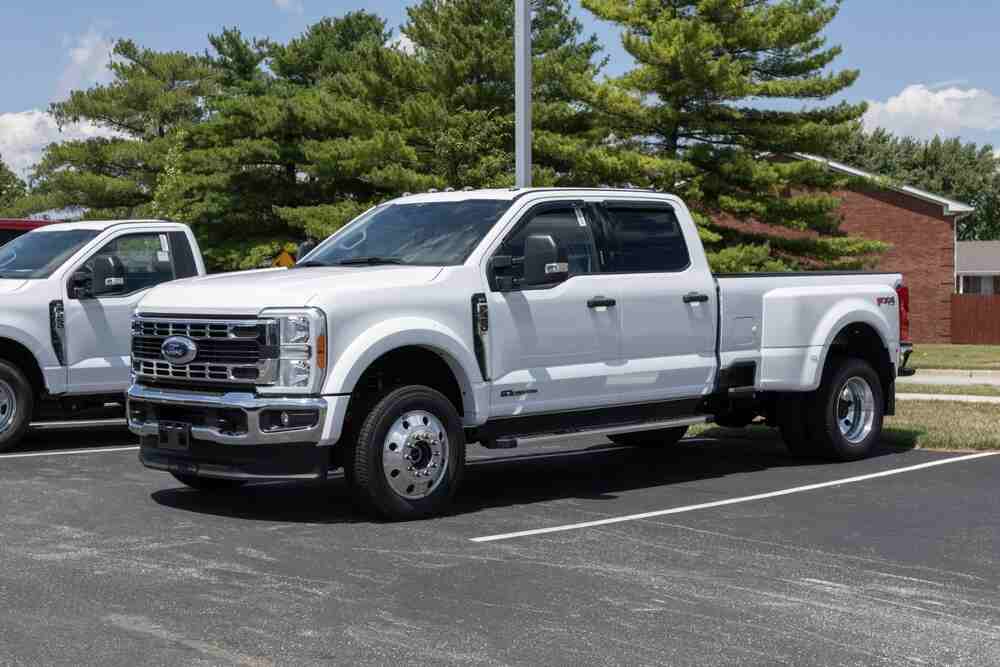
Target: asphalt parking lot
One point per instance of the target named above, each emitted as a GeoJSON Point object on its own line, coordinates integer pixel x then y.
{"type": "Point", "coordinates": [739, 555]}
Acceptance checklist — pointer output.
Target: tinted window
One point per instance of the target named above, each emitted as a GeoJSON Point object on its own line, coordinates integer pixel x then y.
{"type": "Point", "coordinates": [38, 254]}
{"type": "Point", "coordinates": [146, 258]}
{"type": "Point", "coordinates": [9, 235]}
{"type": "Point", "coordinates": [432, 234]}
{"type": "Point", "coordinates": [645, 240]}
{"type": "Point", "coordinates": [576, 244]}
{"type": "Point", "coordinates": [184, 266]}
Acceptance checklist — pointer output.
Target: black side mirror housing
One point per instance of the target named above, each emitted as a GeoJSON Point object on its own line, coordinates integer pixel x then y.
{"type": "Point", "coordinates": [79, 284]}
{"type": "Point", "coordinates": [109, 276]}
{"type": "Point", "coordinates": [541, 261]}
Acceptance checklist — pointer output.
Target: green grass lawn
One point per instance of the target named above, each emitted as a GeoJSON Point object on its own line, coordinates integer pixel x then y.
{"type": "Point", "coordinates": [960, 357]}
{"type": "Point", "coordinates": [972, 390]}
{"type": "Point", "coordinates": [917, 424]}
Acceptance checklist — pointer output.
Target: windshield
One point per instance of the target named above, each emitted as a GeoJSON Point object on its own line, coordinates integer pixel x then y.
{"type": "Point", "coordinates": [432, 234]}
{"type": "Point", "coordinates": [38, 254]}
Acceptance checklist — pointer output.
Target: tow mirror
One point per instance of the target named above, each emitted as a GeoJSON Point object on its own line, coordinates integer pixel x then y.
{"type": "Point", "coordinates": [109, 276]}
{"type": "Point", "coordinates": [542, 265]}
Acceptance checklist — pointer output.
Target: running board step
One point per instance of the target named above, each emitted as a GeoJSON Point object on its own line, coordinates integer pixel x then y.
{"type": "Point", "coordinates": [77, 423]}
{"type": "Point", "coordinates": [512, 442]}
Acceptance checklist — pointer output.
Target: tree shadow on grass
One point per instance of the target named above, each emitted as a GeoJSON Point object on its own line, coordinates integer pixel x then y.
{"type": "Point", "coordinates": [598, 472]}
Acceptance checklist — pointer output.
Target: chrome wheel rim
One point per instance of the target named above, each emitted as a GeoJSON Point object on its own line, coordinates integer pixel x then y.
{"type": "Point", "coordinates": [8, 406]}
{"type": "Point", "coordinates": [415, 454]}
{"type": "Point", "coordinates": [856, 410]}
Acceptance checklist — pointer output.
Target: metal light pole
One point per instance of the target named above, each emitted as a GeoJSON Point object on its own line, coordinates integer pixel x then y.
{"type": "Point", "coordinates": [522, 92]}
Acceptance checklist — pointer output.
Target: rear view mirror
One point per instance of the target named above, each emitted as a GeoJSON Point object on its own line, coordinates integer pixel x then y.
{"type": "Point", "coordinates": [542, 265]}
{"type": "Point", "coordinates": [109, 276]}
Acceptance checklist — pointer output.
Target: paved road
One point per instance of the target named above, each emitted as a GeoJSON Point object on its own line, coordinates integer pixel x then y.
{"type": "Point", "coordinates": [106, 563]}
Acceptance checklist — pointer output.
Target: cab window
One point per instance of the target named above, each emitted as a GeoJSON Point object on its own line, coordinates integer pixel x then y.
{"type": "Point", "coordinates": [146, 257]}
{"type": "Point", "coordinates": [571, 233]}
{"type": "Point", "coordinates": [644, 239]}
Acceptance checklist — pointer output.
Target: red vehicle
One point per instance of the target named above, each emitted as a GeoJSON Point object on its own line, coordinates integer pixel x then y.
{"type": "Point", "coordinates": [11, 229]}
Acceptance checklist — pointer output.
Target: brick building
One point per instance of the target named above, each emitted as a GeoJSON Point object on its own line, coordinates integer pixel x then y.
{"type": "Point", "coordinates": [920, 226]}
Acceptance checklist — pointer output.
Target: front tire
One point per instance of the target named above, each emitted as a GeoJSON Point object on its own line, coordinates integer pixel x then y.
{"type": "Point", "coordinates": [847, 411]}
{"type": "Point", "coordinates": [409, 457]}
{"type": "Point", "coordinates": [17, 401]}
{"type": "Point", "coordinates": [664, 437]}
{"type": "Point", "coordinates": [208, 484]}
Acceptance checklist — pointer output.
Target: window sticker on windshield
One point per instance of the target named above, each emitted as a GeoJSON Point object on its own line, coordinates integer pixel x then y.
{"type": "Point", "coordinates": [163, 243]}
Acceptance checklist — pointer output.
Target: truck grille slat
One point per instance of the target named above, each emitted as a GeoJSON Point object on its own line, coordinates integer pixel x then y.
{"type": "Point", "coordinates": [228, 351]}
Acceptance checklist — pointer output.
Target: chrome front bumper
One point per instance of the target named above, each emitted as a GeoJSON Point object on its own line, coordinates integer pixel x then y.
{"type": "Point", "coordinates": [250, 405]}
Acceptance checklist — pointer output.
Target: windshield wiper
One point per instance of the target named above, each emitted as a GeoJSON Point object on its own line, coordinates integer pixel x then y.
{"type": "Point", "coordinates": [309, 263]}
{"type": "Point", "coordinates": [370, 261]}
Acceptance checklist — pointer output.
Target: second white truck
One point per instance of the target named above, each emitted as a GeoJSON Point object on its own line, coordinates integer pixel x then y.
{"type": "Point", "coordinates": [67, 295]}
{"type": "Point", "coordinates": [496, 317]}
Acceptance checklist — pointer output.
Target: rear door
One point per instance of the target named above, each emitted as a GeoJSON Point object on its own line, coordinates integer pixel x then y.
{"type": "Point", "coordinates": [552, 346]}
{"type": "Point", "coordinates": [98, 330]}
{"type": "Point", "coordinates": [668, 302]}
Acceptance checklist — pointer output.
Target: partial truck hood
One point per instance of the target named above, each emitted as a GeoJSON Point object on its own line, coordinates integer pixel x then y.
{"type": "Point", "coordinates": [247, 292]}
{"type": "Point", "coordinates": [11, 285]}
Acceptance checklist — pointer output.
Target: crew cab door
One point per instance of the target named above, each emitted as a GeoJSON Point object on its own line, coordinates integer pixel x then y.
{"type": "Point", "coordinates": [667, 300]}
{"type": "Point", "coordinates": [552, 345]}
{"type": "Point", "coordinates": [98, 329]}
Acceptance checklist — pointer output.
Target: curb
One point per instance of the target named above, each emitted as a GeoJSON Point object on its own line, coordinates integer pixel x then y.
{"type": "Point", "coordinates": [965, 373]}
{"type": "Point", "coordinates": [949, 398]}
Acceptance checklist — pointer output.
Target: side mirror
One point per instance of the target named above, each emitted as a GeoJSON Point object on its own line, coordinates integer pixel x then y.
{"type": "Point", "coordinates": [79, 284]}
{"type": "Point", "coordinates": [109, 276]}
{"type": "Point", "coordinates": [541, 261]}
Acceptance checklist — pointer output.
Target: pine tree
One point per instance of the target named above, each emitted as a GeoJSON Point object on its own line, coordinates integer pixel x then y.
{"type": "Point", "coordinates": [151, 95]}
{"type": "Point", "coordinates": [465, 53]}
{"type": "Point", "coordinates": [694, 115]}
{"type": "Point", "coordinates": [12, 188]}
{"type": "Point", "coordinates": [296, 148]}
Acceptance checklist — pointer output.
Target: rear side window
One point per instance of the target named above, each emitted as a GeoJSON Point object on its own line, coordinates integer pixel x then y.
{"type": "Point", "coordinates": [644, 240]}
{"type": "Point", "coordinates": [9, 235]}
{"type": "Point", "coordinates": [184, 266]}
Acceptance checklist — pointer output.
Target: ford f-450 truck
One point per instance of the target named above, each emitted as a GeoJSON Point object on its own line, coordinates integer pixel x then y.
{"type": "Point", "coordinates": [496, 317]}
{"type": "Point", "coordinates": [67, 294]}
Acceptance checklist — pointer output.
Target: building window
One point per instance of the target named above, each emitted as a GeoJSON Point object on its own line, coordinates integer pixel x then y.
{"type": "Point", "coordinates": [971, 285]}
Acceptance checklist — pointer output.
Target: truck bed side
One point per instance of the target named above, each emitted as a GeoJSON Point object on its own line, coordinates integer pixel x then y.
{"type": "Point", "coordinates": [786, 324]}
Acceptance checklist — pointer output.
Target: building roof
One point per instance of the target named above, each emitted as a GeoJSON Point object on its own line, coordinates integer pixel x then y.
{"type": "Point", "coordinates": [977, 257]}
{"type": "Point", "coordinates": [950, 207]}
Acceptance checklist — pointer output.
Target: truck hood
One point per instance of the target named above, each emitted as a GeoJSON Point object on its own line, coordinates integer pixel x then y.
{"type": "Point", "coordinates": [10, 285]}
{"type": "Point", "coordinates": [247, 292]}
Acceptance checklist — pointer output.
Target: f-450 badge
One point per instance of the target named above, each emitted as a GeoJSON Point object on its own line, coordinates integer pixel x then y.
{"type": "Point", "coordinates": [886, 301]}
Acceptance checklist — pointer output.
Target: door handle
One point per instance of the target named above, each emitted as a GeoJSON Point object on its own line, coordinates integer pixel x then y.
{"type": "Point", "coordinates": [694, 297]}
{"type": "Point", "coordinates": [601, 302]}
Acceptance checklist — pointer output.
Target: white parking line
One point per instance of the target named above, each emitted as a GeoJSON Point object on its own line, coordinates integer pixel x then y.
{"type": "Point", "coordinates": [730, 501]}
{"type": "Point", "coordinates": [69, 452]}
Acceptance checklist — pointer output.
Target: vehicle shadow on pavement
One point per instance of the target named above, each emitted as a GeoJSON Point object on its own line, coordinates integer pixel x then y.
{"type": "Point", "coordinates": [79, 438]}
{"type": "Point", "coordinates": [595, 473]}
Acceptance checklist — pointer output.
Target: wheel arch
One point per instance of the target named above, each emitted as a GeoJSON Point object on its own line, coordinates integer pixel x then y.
{"type": "Point", "coordinates": [861, 340]}
{"type": "Point", "coordinates": [20, 355]}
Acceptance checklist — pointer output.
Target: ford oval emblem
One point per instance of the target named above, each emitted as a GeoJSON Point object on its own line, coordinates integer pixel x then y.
{"type": "Point", "coordinates": [179, 350]}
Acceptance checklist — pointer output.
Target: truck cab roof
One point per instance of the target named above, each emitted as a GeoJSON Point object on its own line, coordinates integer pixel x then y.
{"type": "Point", "coordinates": [103, 225]}
{"type": "Point", "coordinates": [513, 194]}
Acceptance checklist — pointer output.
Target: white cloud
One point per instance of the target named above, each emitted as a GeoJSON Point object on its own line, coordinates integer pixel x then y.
{"type": "Point", "coordinates": [88, 57]}
{"type": "Point", "coordinates": [404, 44]}
{"type": "Point", "coordinates": [289, 5]}
{"type": "Point", "coordinates": [25, 134]}
{"type": "Point", "coordinates": [924, 111]}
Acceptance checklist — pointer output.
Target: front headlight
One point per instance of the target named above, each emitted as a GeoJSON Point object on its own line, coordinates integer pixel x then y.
{"type": "Point", "coordinates": [301, 334]}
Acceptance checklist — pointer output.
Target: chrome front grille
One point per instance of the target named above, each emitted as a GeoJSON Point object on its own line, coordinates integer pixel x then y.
{"type": "Point", "coordinates": [234, 351]}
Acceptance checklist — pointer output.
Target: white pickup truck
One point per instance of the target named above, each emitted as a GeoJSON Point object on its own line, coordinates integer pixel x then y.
{"type": "Point", "coordinates": [67, 295]}
{"type": "Point", "coordinates": [497, 317]}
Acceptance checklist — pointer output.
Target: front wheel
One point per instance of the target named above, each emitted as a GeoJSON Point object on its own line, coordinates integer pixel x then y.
{"type": "Point", "coordinates": [847, 411]}
{"type": "Point", "coordinates": [409, 457]}
{"type": "Point", "coordinates": [17, 401]}
{"type": "Point", "coordinates": [208, 483]}
{"type": "Point", "coordinates": [664, 437]}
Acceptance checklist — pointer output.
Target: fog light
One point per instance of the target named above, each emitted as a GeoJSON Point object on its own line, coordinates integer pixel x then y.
{"type": "Point", "coordinates": [288, 420]}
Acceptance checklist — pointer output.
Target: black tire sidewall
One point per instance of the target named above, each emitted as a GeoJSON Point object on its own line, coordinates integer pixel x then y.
{"type": "Point", "coordinates": [368, 477]}
{"type": "Point", "coordinates": [825, 411]}
{"type": "Point", "coordinates": [24, 396]}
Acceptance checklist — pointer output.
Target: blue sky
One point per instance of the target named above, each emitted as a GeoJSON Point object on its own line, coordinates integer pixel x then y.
{"type": "Point", "coordinates": [926, 66]}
